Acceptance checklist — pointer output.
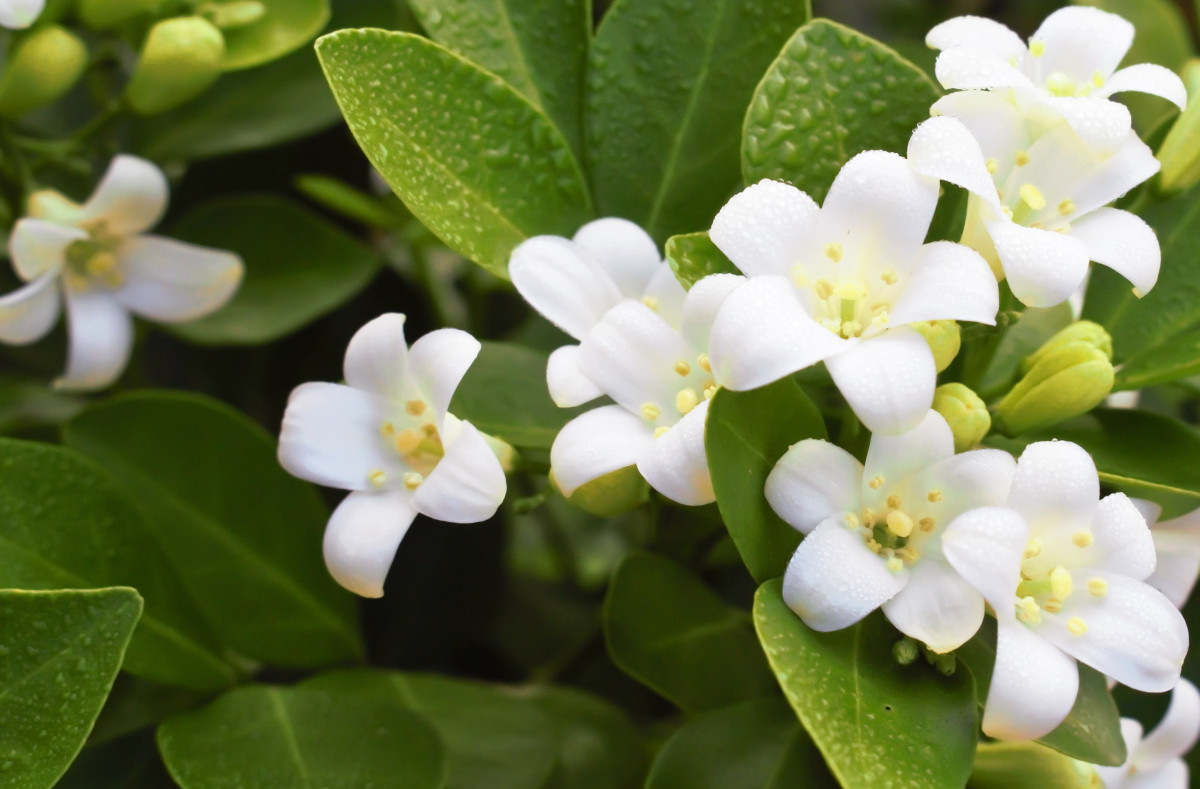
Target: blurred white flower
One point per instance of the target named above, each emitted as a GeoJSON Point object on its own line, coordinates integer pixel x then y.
{"type": "Point", "coordinates": [18, 14]}
{"type": "Point", "coordinates": [1154, 760]}
{"type": "Point", "coordinates": [1177, 544]}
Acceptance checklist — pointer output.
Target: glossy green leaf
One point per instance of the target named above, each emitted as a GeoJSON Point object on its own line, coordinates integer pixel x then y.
{"type": "Point", "coordinates": [756, 744]}
{"type": "Point", "coordinates": [830, 94]}
{"type": "Point", "coordinates": [877, 723]}
{"type": "Point", "coordinates": [694, 256]}
{"type": "Point", "coordinates": [504, 394]}
{"type": "Point", "coordinates": [135, 704]}
{"type": "Point", "coordinates": [495, 737]}
{"type": "Point", "coordinates": [286, 25]}
{"type": "Point", "coordinates": [65, 524]}
{"type": "Point", "coordinates": [670, 631]}
{"type": "Point", "coordinates": [61, 651]}
{"type": "Point", "coordinates": [268, 738]}
{"type": "Point", "coordinates": [471, 157]}
{"type": "Point", "coordinates": [745, 435]}
{"type": "Point", "coordinates": [667, 89]}
{"type": "Point", "coordinates": [242, 535]}
{"type": "Point", "coordinates": [598, 745]}
{"type": "Point", "coordinates": [538, 46]}
{"type": "Point", "coordinates": [298, 267]}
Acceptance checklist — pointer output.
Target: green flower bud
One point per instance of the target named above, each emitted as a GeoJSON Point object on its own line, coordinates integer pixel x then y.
{"type": "Point", "coordinates": [1093, 334]}
{"type": "Point", "coordinates": [181, 58]}
{"type": "Point", "coordinates": [236, 13]}
{"type": "Point", "coordinates": [1066, 381]}
{"type": "Point", "coordinates": [43, 66]}
{"type": "Point", "coordinates": [966, 414]}
{"type": "Point", "coordinates": [1180, 151]}
{"type": "Point", "coordinates": [103, 14]}
{"type": "Point", "coordinates": [503, 451]}
{"type": "Point", "coordinates": [613, 494]}
{"type": "Point", "coordinates": [1004, 765]}
{"type": "Point", "coordinates": [944, 340]}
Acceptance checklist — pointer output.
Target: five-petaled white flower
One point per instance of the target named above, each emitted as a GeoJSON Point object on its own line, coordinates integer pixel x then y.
{"type": "Point", "coordinates": [1177, 545]}
{"type": "Point", "coordinates": [1036, 211]}
{"type": "Point", "coordinates": [1067, 71]}
{"type": "Point", "coordinates": [387, 437]}
{"type": "Point", "coordinates": [839, 283]}
{"type": "Point", "coordinates": [1154, 760]}
{"type": "Point", "coordinates": [94, 257]}
{"type": "Point", "coordinates": [1063, 570]}
{"type": "Point", "coordinates": [18, 14]}
{"type": "Point", "coordinates": [873, 533]}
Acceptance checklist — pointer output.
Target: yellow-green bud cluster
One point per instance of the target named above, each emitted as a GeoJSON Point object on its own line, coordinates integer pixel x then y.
{"type": "Point", "coordinates": [944, 340]}
{"type": "Point", "coordinates": [965, 412]}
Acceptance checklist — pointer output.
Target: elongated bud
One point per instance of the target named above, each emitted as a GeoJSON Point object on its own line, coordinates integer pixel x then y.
{"type": "Point", "coordinates": [103, 14]}
{"type": "Point", "coordinates": [181, 58]}
{"type": "Point", "coordinates": [1066, 380]}
{"type": "Point", "coordinates": [1180, 151]}
{"type": "Point", "coordinates": [1087, 332]}
{"type": "Point", "coordinates": [944, 340]}
{"type": "Point", "coordinates": [233, 13]}
{"type": "Point", "coordinates": [615, 493]}
{"type": "Point", "coordinates": [1004, 765]}
{"type": "Point", "coordinates": [966, 414]}
{"type": "Point", "coordinates": [43, 66]}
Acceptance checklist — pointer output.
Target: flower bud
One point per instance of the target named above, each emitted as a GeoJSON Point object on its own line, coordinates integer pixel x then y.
{"type": "Point", "coordinates": [966, 414]}
{"type": "Point", "coordinates": [1003, 765]}
{"type": "Point", "coordinates": [43, 66]}
{"type": "Point", "coordinates": [503, 451]}
{"type": "Point", "coordinates": [103, 14]}
{"type": "Point", "coordinates": [1066, 380]}
{"type": "Point", "coordinates": [181, 58]}
{"type": "Point", "coordinates": [234, 13]}
{"type": "Point", "coordinates": [944, 340]}
{"type": "Point", "coordinates": [613, 494]}
{"type": "Point", "coordinates": [1180, 150]}
{"type": "Point", "coordinates": [1081, 331]}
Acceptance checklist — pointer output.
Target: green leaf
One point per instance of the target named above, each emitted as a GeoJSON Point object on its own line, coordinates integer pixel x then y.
{"type": "Point", "coordinates": [694, 256]}
{"type": "Point", "coordinates": [504, 394]}
{"type": "Point", "coordinates": [65, 524]}
{"type": "Point", "coordinates": [668, 630]}
{"type": "Point", "coordinates": [471, 158]}
{"type": "Point", "coordinates": [61, 651]}
{"type": "Point", "coordinates": [495, 737]}
{"type": "Point", "coordinates": [242, 535]}
{"type": "Point", "coordinates": [598, 746]}
{"type": "Point", "coordinates": [877, 723]}
{"type": "Point", "coordinates": [830, 94]}
{"type": "Point", "coordinates": [1021, 339]}
{"type": "Point", "coordinates": [537, 46]}
{"type": "Point", "coordinates": [286, 25]}
{"type": "Point", "coordinates": [756, 744]}
{"type": "Point", "coordinates": [27, 402]}
{"type": "Point", "coordinates": [303, 270]}
{"type": "Point", "coordinates": [667, 89]}
{"type": "Point", "coordinates": [342, 198]}
{"type": "Point", "coordinates": [263, 737]}
{"type": "Point", "coordinates": [1175, 359]}
{"type": "Point", "coordinates": [135, 704]}
{"type": "Point", "coordinates": [745, 435]}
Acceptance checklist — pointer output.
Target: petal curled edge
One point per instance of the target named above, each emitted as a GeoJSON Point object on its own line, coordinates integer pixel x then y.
{"type": "Point", "coordinates": [1148, 78]}
{"type": "Point", "coordinates": [38, 247]}
{"type": "Point", "coordinates": [676, 465]}
{"type": "Point", "coordinates": [936, 606]}
{"type": "Point", "coordinates": [1043, 267]}
{"type": "Point", "coordinates": [623, 250]}
{"type": "Point", "coordinates": [567, 383]}
{"type": "Point", "coordinates": [1176, 733]}
{"type": "Point", "coordinates": [569, 290]}
{"type": "Point", "coordinates": [702, 305]}
{"type": "Point", "coordinates": [888, 380]}
{"type": "Point", "coordinates": [948, 282]}
{"type": "Point", "coordinates": [130, 198]}
{"type": "Point", "coordinates": [985, 545]}
{"type": "Point", "coordinates": [813, 481]}
{"type": "Point", "coordinates": [960, 68]}
{"type": "Point", "coordinates": [468, 483]}
{"type": "Point", "coordinates": [1123, 242]}
{"type": "Point", "coordinates": [99, 341]}
{"type": "Point", "coordinates": [594, 443]}
{"type": "Point", "coordinates": [977, 33]}
{"type": "Point", "coordinates": [437, 363]}
{"type": "Point", "coordinates": [1081, 40]}
{"type": "Point", "coordinates": [766, 228]}
{"type": "Point", "coordinates": [362, 537]}
{"type": "Point", "coordinates": [170, 282]}
{"type": "Point", "coordinates": [30, 312]}
{"type": "Point", "coordinates": [944, 148]}
{"type": "Point", "coordinates": [377, 358]}
{"type": "Point", "coordinates": [1034, 685]}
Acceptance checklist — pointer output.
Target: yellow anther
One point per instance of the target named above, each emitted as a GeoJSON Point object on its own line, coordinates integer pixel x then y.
{"type": "Point", "coordinates": [834, 251]}
{"type": "Point", "coordinates": [1076, 626]}
{"type": "Point", "coordinates": [893, 501]}
{"type": "Point", "coordinates": [851, 521]}
{"type": "Point", "coordinates": [1033, 548]}
{"type": "Point", "coordinates": [876, 482]}
{"type": "Point", "coordinates": [377, 477]}
{"type": "Point", "coordinates": [908, 554]}
{"type": "Point", "coordinates": [1064, 229]}
{"type": "Point", "coordinates": [1097, 587]}
{"type": "Point", "coordinates": [895, 564]}
{"type": "Point", "coordinates": [686, 399]}
{"type": "Point", "coordinates": [1008, 212]}
{"type": "Point", "coordinates": [387, 430]}
{"type": "Point", "coordinates": [1066, 207]}
{"type": "Point", "coordinates": [832, 324]}
{"type": "Point", "coordinates": [850, 329]}
{"type": "Point", "coordinates": [850, 288]}
{"type": "Point", "coordinates": [1137, 293]}
{"type": "Point", "coordinates": [1032, 197]}
{"type": "Point", "coordinates": [658, 431]}
{"type": "Point", "coordinates": [869, 517]}
{"type": "Point", "coordinates": [873, 546]}
{"type": "Point", "coordinates": [651, 302]}
{"type": "Point", "coordinates": [1037, 48]}
{"type": "Point", "coordinates": [682, 367]}
{"type": "Point", "coordinates": [823, 289]}
{"type": "Point", "coordinates": [1053, 606]}
{"type": "Point", "coordinates": [1060, 583]}
{"type": "Point", "coordinates": [889, 276]}
{"type": "Point", "coordinates": [702, 360]}
{"type": "Point", "coordinates": [899, 524]}
{"type": "Point", "coordinates": [413, 480]}
{"type": "Point", "coordinates": [881, 320]}
{"type": "Point", "coordinates": [1028, 611]}
{"type": "Point", "coordinates": [408, 441]}
{"type": "Point", "coordinates": [1022, 158]}
{"type": "Point", "coordinates": [429, 430]}
{"type": "Point", "coordinates": [415, 407]}
{"type": "Point", "coordinates": [799, 277]}
{"type": "Point", "coordinates": [926, 524]}
{"type": "Point", "coordinates": [935, 496]}
{"type": "Point", "coordinates": [992, 166]}
{"type": "Point", "coordinates": [651, 412]}
{"type": "Point", "coordinates": [1098, 79]}
{"type": "Point", "coordinates": [101, 264]}
{"type": "Point", "coordinates": [1060, 84]}
{"type": "Point", "coordinates": [710, 390]}
{"type": "Point", "coordinates": [1082, 538]}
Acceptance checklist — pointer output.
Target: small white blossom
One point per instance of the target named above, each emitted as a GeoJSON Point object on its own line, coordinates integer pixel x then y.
{"type": "Point", "coordinates": [1154, 760]}
{"type": "Point", "coordinates": [1064, 571]}
{"type": "Point", "coordinates": [18, 14]}
{"type": "Point", "coordinates": [1177, 544]}
{"type": "Point", "coordinates": [1068, 70]}
{"type": "Point", "coordinates": [839, 284]}
{"type": "Point", "coordinates": [873, 533]}
{"type": "Point", "coordinates": [95, 258]}
{"type": "Point", "coordinates": [387, 437]}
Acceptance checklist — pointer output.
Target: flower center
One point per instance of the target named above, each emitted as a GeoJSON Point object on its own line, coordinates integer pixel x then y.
{"type": "Point", "coordinates": [1024, 203]}
{"type": "Point", "coordinates": [695, 381]}
{"type": "Point", "coordinates": [898, 531]}
{"type": "Point", "coordinates": [414, 436]}
{"type": "Point", "coordinates": [1045, 588]}
{"type": "Point", "coordinates": [843, 304]}
{"type": "Point", "coordinates": [92, 263]}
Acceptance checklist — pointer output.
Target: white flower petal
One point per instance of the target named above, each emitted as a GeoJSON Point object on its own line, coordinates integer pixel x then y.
{"type": "Point", "coordinates": [130, 198]}
{"type": "Point", "coordinates": [362, 537]}
{"type": "Point", "coordinates": [888, 380]}
{"type": "Point", "coordinates": [1123, 242]}
{"type": "Point", "coordinates": [1043, 268]}
{"type": "Point", "coordinates": [979, 478]}
{"type": "Point", "coordinates": [963, 69]}
{"type": "Point", "coordinates": [766, 228]}
{"type": "Point", "coordinates": [570, 291]}
{"type": "Point", "coordinates": [702, 304]}
{"type": "Point", "coordinates": [623, 251]}
{"type": "Point", "coordinates": [38, 247]}
{"type": "Point", "coordinates": [1176, 733]}
{"type": "Point", "coordinates": [437, 363]}
{"type": "Point", "coordinates": [834, 580]}
{"type": "Point", "coordinates": [630, 354]}
{"type": "Point", "coordinates": [99, 341]}
{"type": "Point", "coordinates": [936, 606]}
{"type": "Point", "coordinates": [896, 458]}
{"type": "Point", "coordinates": [1102, 125]}
{"type": "Point", "coordinates": [1080, 40]}
{"type": "Point", "coordinates": [1114, 777]}
{"type": "Point", "coordinates": [944, 148]}
{"type": "Point", "coordinates": [1172, 775]}
{"type": "Point", "coordinates": [666, 295]}
{"type": "Point", "coordinates": [1177, 544]}
{"type": "Point", "coordinates": [978, 34]}
{"type": "Point", "coordinates": [814, 480]}
{"type": "Point", "coordinates": [1107, 179]}
{"type": "Point", "coordinates": [1056, 485]}
{"type": "Point", "coordinates": [998, 126]}
{"type": "Point", "coordinates": [594, 443]}
{"type": "Point", "coordinates": [1122, 540]}
{"type": "Point", "coordinates": [566, 381]}
{"type": "Point", "coordinates": [377, 359]}
{"type": "Point", "coordinates": [948, 282]}
{"type": "Point", "coordinates": [985, 545]}
{"type": "Point", "coordinates": [170, 282]}
{"type": "Point", "coordinates": [468, 483]}
{"type": "Point", "coordinates": [1148, 78]}
{"type": "Point", "coordinates": [1033, 688]}
{"type": "Point", "coordinates": [30, 312]}
{"type": "Point", "coordinates": [20, 14]}
{"type": "Point", "coordinates": [675, 463]}
{"type": "Point", "coordinates": [331, 436]}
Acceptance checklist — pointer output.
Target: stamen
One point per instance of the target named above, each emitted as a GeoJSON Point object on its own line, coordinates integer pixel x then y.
{"type": "Point", "coordinates": [850, 289]}
{"type": "Point", "coordinates": [651, 302]}
{"type": "Point", "coordinates": [893, 501]}
{"type": "Point", "coordinates": [823, 289]}
{"type": "Point", "coordinates": [686, 400]}
{"type": "Point", "coordinates": [908, 554]}
{"type": "Point", "coordinates": [415, 407]}
{"type": "Point", "coordinates": [799, 277]}
{"type": "Point", "coordinates": [1033, 548]}
{"type": "Point", "coordinates": [1098, 79]}
{"type": "Point", "coordinates": [1082, 538]}
{"type": "Point", "coordinates": [429, 430]}
{"type": "Point", "coordinates": [894, 564]}
{"type": "Point", "coordinates": [1060, 583]}
{"type": "Point", "coordinates": [1022, 158]}
{"type": "Point", "coordinates": [1053, 606]}
{"type": "Point", "coordinates": [1008, 212]}
{"type": "Point", "coordinates": [408, 441]}
{"type": "Point", "coordinates": [377, 477]}
{"type": "Point", "coordinates": [1028, 611]}
{"type": "Point", "coordinates": [935, 496]}
{"type": "Point", "coordinates": [387, 430]}
{"type": "Point", "coordinates": [413, 480]}
{"type": "Point", "coordinates": [1037, 48]}
{"type": "Point", "coordinates": [651, 412]}
{"type": "Point", "coordinates": [1032, 197]}
{"type": "Point", "coordinates": [926, 524]}
{"type": "Point", "coordinates": [1097, 587]}
{"type": "Point", "coordinates": [899, 524]}
{"type": "Point", "coordinates": [710, 390]}
{"type": "Point", "coordinates": [851, 520]}
{"type": "Point", "coordinates": [834, 251]}
{"type": "Point", "coordinates": [869, 517]}
{"type": "Point", "coordinates": [682, 367]}
{"type": "Point", "coordinates": [1076, 626]}
{"type": "Point", "coordinates": [658, 431]}
{"type": "Point", "coordinates": [992, 166]}
{"type": "Point", "coordinates": [889, 276]}
{"type": "Point", "coordinates": [1060, 84]}
{"type": "Point", "coordinates": [876, 482]}
{"type": "Point", "coordinates": [702, 360]}
{"type": "Point", "coordinates": [1066, 207]}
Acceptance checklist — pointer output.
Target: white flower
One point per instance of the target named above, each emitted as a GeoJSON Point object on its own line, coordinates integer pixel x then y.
{"type": "Point", "coordinates": [18, 14]}
{"type": "Point", "coordinates": [574, 282]}
{"type": "Point", "coordinates": [1036, 208]}
{"type": "Point", "coordinates": [873, 534]}
{"type": "Point", "coordinates": [1063, 570]}
{"type": "Point", "coordinates": [1177, 544]}
{"type": "Point", "coordinates": [95, 257]}
{"type": "Point", "coordinates": [840, 283]}
{"type": "Point", "coordinates": [657, 371]}
{"type": "Point", "coordinates": [387, 437]}
{"type": "Point", "coordinates": [1067, 71]}
{"type": "Point", "coordinates": [1153, 761]}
